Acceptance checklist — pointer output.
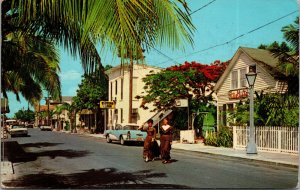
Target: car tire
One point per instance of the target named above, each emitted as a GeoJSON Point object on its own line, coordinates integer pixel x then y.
{"type": "Point", "coordinates": [122, 141]}
{"type": "Point", "coordinates": [108, 140]}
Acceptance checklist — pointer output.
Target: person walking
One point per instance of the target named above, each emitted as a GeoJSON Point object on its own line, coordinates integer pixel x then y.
{"type": "Point", "coordinates": [150, 143]}
{"type": "Point", "coordinates": [165, 141]}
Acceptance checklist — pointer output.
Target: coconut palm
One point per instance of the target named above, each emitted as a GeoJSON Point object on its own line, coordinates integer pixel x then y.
{"type": "Point", "coordinates": [30, 62]}
{"type": "Point", "coordinates": [128, 25]}
{"type": "Point", "coordinates": [289, 56]}
{"type": "Point", "coordinates": [71, 113]}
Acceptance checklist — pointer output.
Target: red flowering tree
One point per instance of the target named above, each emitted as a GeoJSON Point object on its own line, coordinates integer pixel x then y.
{"type": "Point", "coordinates": [189, 80]}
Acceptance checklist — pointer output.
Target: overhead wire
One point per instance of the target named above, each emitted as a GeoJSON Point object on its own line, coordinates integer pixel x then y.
{"type": "Point", "coordinates": [235, 38]}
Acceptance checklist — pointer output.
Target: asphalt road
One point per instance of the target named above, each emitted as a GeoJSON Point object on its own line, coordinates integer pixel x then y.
{"type": "Point", "coordinates": [57, 160]}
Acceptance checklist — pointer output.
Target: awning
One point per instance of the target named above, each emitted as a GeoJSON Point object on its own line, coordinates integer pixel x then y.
{"type": "Point", "coordinates": [86, 112]}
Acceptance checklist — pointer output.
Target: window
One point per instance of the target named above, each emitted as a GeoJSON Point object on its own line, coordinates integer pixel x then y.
{"type": "Point", "coordinates": [121, 115]}
{"type": "Point", "coordinates": [111, 87]}
{"type": "Point", "coordinates": [234, 79]}
{"type": "Point", "coordinates": [122, 86]}
{"type": "Point", "coordinates": [116, 87]}
{"type": "Point", "coordinates": [243, 80]}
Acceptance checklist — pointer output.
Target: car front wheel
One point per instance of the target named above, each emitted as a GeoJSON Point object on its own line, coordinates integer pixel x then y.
{"type": "Point", "coordinates": [108, 139]}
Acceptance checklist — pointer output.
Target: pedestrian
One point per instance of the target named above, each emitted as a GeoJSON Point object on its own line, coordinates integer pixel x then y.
{"type": "Point", "coordinates": [150, 143]}
{"type": "Point", "coordinates": [165, 141]}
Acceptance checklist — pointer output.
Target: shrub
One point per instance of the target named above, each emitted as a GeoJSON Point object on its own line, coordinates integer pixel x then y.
{"type": "Point", "coordinates": [211, 139]}
{"type": "Point", "coordinates": [67, 126]}
{"type": "Point", "coordinates": [223, 137]}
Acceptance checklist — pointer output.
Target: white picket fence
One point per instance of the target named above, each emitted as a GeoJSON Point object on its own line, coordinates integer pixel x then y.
{"type": "Point", "coordinates": [274, 139]}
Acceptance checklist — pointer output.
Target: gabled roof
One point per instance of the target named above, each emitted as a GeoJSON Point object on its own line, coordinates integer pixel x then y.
{"type": "Point", "coordinates": [262, 57]}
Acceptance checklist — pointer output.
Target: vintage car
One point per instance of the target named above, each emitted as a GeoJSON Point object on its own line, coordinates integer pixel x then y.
{"type": "Point", "coordinates": [18, 130]}
{"type": "Point", "coordinates": [125, 132]}
{"type": "Point", "coordinates": [46, 128]}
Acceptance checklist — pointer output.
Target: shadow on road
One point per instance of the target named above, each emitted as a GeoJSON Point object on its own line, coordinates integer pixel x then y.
{"type": "Point", "coordinates": [13, 152]}
{"type": "Point", "coordinates": [107, 178]}
{"type": "Point", "coordinates": [39, 145]}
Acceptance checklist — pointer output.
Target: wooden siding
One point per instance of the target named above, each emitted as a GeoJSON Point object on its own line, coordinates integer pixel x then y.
{"type": "Point", "coordinates": [263, 80]}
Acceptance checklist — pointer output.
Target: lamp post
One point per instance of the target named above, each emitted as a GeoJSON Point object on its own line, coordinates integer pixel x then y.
{"type": "Point", "coordinates": [251, 146]}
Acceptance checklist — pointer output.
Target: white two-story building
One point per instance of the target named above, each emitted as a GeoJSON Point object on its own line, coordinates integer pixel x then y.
{"type": "Point", "coordinates": [119, 93]}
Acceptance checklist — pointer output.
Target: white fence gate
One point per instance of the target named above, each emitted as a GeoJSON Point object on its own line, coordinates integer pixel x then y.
{"type": "Point", "coordinates": [275, 139]}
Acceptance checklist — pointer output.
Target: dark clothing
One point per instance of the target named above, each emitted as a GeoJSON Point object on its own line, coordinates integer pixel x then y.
{"type": "Point", "coordinates": [165, 143]}
{"type": "Point", "coordinates": [150, 145]}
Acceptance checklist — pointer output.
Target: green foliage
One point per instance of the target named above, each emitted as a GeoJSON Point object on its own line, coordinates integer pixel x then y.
{"type": "Point", "coordinates": [269, 110]}
{"type": "Point", "coordinates": [92, 90]}
{"type": "Point", "coordinates": [25, 115]}
{"type": "Point", "coordinates": [288, 55]}
{"type": "Point", "coordinates": [211, 139]}
{"type": "Point", "coordinates": [223, 137]}
{"type": "Point", "coordinates": [67, 126]}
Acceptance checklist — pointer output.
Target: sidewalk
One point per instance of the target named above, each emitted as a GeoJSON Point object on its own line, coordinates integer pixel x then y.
{"type": "Point", "coordinates": [284, 159]}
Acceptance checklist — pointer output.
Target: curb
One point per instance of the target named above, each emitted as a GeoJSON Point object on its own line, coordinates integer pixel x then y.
{"type": "Point", "coordinates": [241, 158]}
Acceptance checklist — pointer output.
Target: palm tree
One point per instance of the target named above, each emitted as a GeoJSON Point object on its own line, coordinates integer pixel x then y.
{"type": "Point", "coordinates": [289, 56]}
{"type": "Point", "coordinates": [128, 25]}
{"type": "Point", "coordinates": [30, 62]}
{"type": "Point", "coordinates": [71, 108]}
{"type": "Point", "coordinates": [58, 110]}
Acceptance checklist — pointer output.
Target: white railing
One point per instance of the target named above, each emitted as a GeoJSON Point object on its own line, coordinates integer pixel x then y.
{"type": "Point", "coordinates": [274, 139]}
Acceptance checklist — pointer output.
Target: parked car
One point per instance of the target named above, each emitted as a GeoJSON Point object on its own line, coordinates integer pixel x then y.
{"type": "Point", "coordinates": [46, 128]}
{"type": "Point", "coordinates": [30, 125]}
{"type": "Point", "coordinates": [18, 130]}
{"type": "Point", "coordinates": [125, 132]}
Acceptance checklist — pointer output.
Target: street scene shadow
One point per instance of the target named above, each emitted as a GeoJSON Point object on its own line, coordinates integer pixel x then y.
{"type": "Point", "coordinates": [39, 144]}
{"type": "Point", "coordinates": [106, 178]}
{"type": "Point", "coordinates": [13, 152]}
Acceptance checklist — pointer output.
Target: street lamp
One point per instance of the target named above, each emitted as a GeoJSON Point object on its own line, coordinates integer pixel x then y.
{"type": "Point", "coordinates": [251, 146]}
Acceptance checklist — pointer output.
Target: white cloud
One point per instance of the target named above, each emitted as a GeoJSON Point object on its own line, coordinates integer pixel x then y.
{"type": "Point", "coordinates": [70, 75]}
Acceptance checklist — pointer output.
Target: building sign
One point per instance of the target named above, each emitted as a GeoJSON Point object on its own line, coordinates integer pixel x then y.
{"type": "Point", "coordinates": [181, 103]}
{"type": "Point", "coordinates": [238, 94]}
{"type": "Point", "coordinates": [107, 104]}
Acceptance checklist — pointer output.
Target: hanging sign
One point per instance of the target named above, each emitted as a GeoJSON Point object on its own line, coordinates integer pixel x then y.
{"type": "Point", "coordinates": [238, 94]}
{"type": "Point", "coordinates": [107, 104]}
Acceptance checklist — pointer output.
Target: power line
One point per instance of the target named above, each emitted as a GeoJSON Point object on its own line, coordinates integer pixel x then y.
{"type": "Point", "coordinates": [180, 20]}
{"type": "Point", "coordinates": [202, 7]}
{"type": "Point", "coordinates": [229, 41]}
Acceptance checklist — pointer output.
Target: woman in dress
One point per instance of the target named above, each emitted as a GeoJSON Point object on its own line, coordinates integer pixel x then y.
{"type": "Point", "coordinates": [165, 141]}
{"type": "Point", "coordinates": [149, 143]}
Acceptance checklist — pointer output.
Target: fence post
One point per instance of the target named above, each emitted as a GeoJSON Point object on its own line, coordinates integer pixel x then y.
{"type": "Point", "coordinates": [234, 137]}
{"type": "Point", "coordinates": [279, 139]}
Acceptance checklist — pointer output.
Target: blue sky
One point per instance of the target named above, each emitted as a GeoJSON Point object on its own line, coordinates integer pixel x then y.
{"type": "Point", "coordinates": [217, 22]}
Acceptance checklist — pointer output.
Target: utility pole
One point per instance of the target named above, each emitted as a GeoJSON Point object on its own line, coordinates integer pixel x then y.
{"type": "Point", "coordinates": [130, 88]}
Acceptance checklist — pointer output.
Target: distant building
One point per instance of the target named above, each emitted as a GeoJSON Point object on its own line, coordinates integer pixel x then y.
{"type": "Point", "coordinates": [58, 121]}
{"type": "Point", "coordinates": [232, 87]}
{"type": "Point", "coordinates": [119, 92]}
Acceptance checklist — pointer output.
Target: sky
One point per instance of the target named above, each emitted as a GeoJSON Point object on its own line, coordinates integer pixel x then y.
{"type": "Point", "coordinates": [216, 22]}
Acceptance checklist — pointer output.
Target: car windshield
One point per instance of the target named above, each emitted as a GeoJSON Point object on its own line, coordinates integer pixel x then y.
{"type": "Point", "coordinates": [131, 127]}
{"type": "Point", "coordinates": [17, 126]}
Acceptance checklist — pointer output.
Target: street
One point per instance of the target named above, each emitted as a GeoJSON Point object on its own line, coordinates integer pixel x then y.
{"type": "Point", "coordinates": [48, 159]}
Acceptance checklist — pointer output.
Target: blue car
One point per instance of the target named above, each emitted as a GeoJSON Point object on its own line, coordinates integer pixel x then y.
{"type": "Point", "coordinates": [125, 132]}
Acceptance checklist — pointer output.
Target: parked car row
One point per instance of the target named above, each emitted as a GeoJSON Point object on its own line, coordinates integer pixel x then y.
{"type": "Point", "coordinates": [18, 130]}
